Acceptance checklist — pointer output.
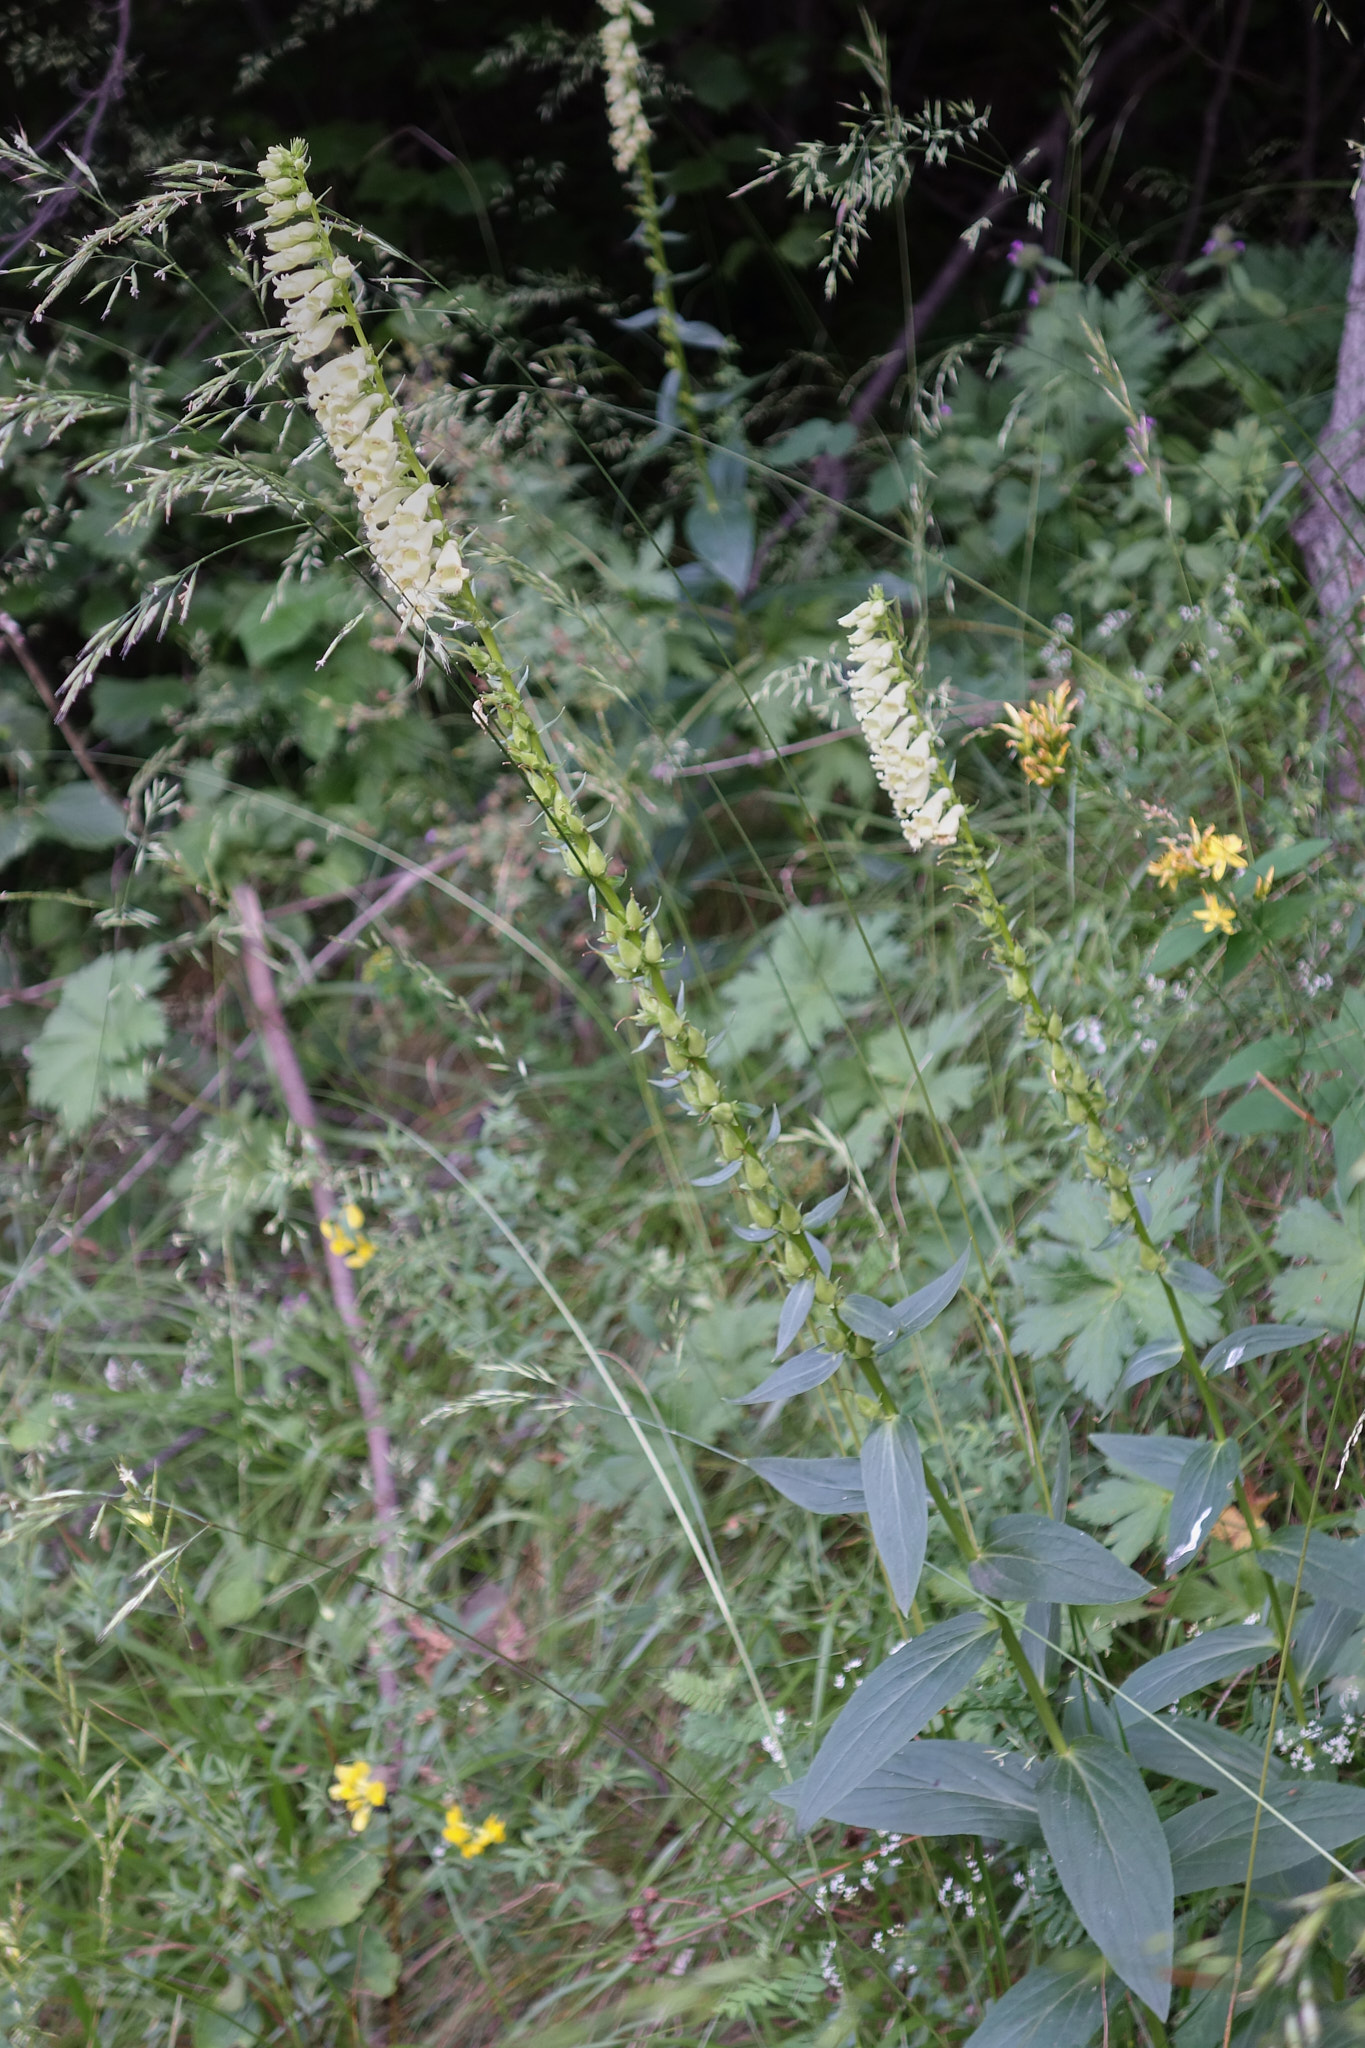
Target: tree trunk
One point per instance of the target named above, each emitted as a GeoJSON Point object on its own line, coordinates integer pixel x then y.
{"type": "Point", "coordinates": [1331, 527]}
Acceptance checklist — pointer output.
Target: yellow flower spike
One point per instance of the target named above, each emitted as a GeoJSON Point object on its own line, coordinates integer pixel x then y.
{"type": "Point", "coordinates": [1215, 915]}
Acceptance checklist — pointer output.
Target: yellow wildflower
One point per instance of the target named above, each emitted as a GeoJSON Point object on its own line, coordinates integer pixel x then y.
{"type": "Point", "coordinates": [1206, 852]}
{"type": "Point", "coordinates": [344, 1237]}
{"type": "Point", "coordinates": [1037, 735]}
{"type": "Point", "coordinates": [359, 1790]}
{"type": "Point", "coordinates": [472, 1841]}
{"type": "Point", "coordinates": [1215, 915]}
{"type": "Point", "coordinates": [1264, 884]}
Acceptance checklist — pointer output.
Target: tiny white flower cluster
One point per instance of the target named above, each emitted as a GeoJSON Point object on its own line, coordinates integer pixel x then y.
{"type": "Point", "coordinates": [772, 1743]}
{"type": "Point", "coordinates": [900, 743]}
{"type": "Point", "coordinates": [630, 134]}
{"type": "Point", "coordinates": [1302, 1747]}
{"type": "Point", "coordinates": [361, 423]}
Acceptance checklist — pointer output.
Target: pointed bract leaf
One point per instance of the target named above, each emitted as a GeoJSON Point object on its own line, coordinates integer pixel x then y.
{"type": "Point", "coordinates": [1104, 1836]}
{"type": "Point", "coordinates": [1217, 1655]}
{"type": "Point", "coordinates": [897, 1504]}
{"type": "Point", "coordinates": [722, 1174]}
{"type": "Point", "coordinates": [867, 1317]}
{"type": "Point", "coordinates": [1258, 1340]}
{"type": "Point", "coordinates": [1333, 1569]}
{"type": "Point", "coordinates": [1195, 1280]}
{"type": "Point", "coordinates": [892, 1705]}
{"type": "Point", "coordinates": [1152, 1359]}
{"type": "Point", "coordinates": [827, 1486]}
{"type": "Point", "coordinates": [1204, 1490]}
{"type": "Point", "coordinates": [1031, 1557]}
{"type": "Point", "coordinates": [1053, 2007]}
{"type": "Point", "coordinates": [918, 1310]}
{"type": "Point", "coordinates": [808, 1369]}
{"type": "Point", "coordinates": [1210, 1842]}
{"type": "Point", "coordinates": [795, 1309]}
{"type": "Point", "coordinates": [935, 1786]}
{"type": "Point", "coordinates": [826, 1211]}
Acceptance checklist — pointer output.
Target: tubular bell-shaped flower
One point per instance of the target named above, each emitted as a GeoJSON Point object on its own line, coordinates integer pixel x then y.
{"type": "Point", "coordinates": [630, 133]}
{"type": "Point", "coordinates": [899, 738]}
{"type": "Point", "coordinates": [410, 543]}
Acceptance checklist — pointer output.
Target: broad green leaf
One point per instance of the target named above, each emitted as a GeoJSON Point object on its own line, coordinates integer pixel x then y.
{"type": "Point", "coordinates": [237, 1596]}
{"type": "Point", "coordinates": [343, 1879]}
{"type": "Point", "coordinates": [124, 711]}
{"type": "Point", "coordinates": [19, 829]}
{"type": "Point", "coordinates": [1219, 1654]}
{"type": "Point", "coordinates": [1273, 1057]}
{"type": "Point", "coordinates": [808, 1369]}
{"type": "Point", "coordinates": [1058, 2005]}
{"type": "Point", "coordinates": [1158, 1459]}
{"type": "Point", "coordinates": [35, 1427]}
{"type": "Point", "coordinates": [1210, 1842]}
{"type": "Point", "coordinates": [1177, 944]}
{"type": "Point", "coordinates": [376, 1965]}
{"type": "Point", "coordinates": [935, 1786]}
{"type": "Point", "coordinates": [722, 536]}
{"type": "Point", "coordinates": [1258, 1114]}
{"type": "Point", "coordinates": [1104, 1836]}
{"type": "Point", "coordinates": [1333, 1566]}
{"type": "Point", "coordinates": [897, 1504]}
{"type": "Point", "coordinates": [1041, 1637]}
{"type": "Point", "coordinates": [811, 968]}
{"type": "Point", "coordinates": [827, 1486]}
{"type": "Point", "coordinates": [1100, 1302]}
{"type": "Point", "coordinates": [1320, 1635]}
{"type": "Point", "coordinates": [91, 1050]}
{"type": "Point", "coordinates": [892, 1705]}
{"type": "Point", "coordinates": [1032, 1557]}
{"type": "Point", "coordinates": [1283, 861]}
{"type": "Point", "coordinates": [1326, 1289]}
{"type": "Point", "coordinates": [1197, 1752]}
{"type": "Point", "coordinates": [82, 816]}
{"type": "Point", "coordinates": [1203, 1491]}
{"type": "Point", "coordinates": [1258, 1340]}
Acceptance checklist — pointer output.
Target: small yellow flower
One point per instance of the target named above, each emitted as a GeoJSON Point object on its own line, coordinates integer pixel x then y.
{"type": "Point", "coordinates": [1206, 852]}
{"type": "Point", "coordinates": [1264, 885]}
{"type": "Point", "coordinates": [359, 1790]}
{"type": "Point", "coordinates": [345, 1239]}
{"type": "Point", "coordinates": [1216, 916]}
{"type": "Point", "coordinates": [472, 1841]}
{"type": "Point", "coordinates": [1037, 735]}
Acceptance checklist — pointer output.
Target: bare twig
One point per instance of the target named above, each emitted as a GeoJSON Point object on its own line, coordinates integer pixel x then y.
{"type": "Point", "coordinates": [284, 1062]}
{"type": "Point", "coordinates": [13, 632]}
{"type": "Point", "coordinates": [99, 100]}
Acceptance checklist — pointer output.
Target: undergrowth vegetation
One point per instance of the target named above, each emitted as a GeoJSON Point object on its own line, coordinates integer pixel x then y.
{"type": "Point", "coordinates": [681, 1305]}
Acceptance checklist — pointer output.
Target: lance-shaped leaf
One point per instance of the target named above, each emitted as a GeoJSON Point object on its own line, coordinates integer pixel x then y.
{"type": "Point", "coordinates": [1147, 1363]}
{"type": "Point", "coordinates": [1333, 1567]}
{"type": "Point", "coordinates": [1258, 1340]}
{"type": "Point", "coordinates": [1058, 2005]}
{"type": "Point", "coordinates": [795, 1309]}
{"type": "Point", "coordinates": [1041, 1636]}
{"type": "Point", "coordinates": [897, 1504]}
{"type": "Point", "coordinates": [1204, 1490]}
{"type": "Point", "coordinates": [918, 1310]}
{"type": "Point", "coordinates": [827, 1486]}
{"type": "Point", "coordinates": [808, 1369]}
{"type": "Point", "coordinates": [1219, 1654]}
{"type": "Point", "coordinates": [826, 1211]}
{"type": "Point", "coordinates": [1031, 1557]}
{"type": "Point", "coordinates": [1210, 1842]}
{"type": "Point", "coordinates": [868, 1317]}
{"type": "Point", "coordinates": [1197, 1752]}
{"type": "Point", "coordinates": [935, 1786]}
{"type": "Point", "coordinates": [891, 1707]}
{"type": "Point", "coordinates": [1319, 1638]}
{"type": "Point", "coordinates": [1158, 1459]}
{"type": "Point", "coordinates": [1104, 1836]}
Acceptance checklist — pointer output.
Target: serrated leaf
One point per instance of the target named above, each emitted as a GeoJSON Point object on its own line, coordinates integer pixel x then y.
{"type": "Point", "coordinates": [827, 1486]}
{"type": "Point", "coordinates": [811, 968]}
{"type": "Point", "coordinates": [1202, 1492]}
{"type": "Point", "coordinates": [1134, 1512]}
{"type": "Point", "coordinates": [1052, 2007]}
{"type": "Point", "coordinates": [1258, 1340]}
{"type": "Point", "coordinates": [1333, 1566]}
{"type": "Point", "coordinates": [1217, 1655]}
{"type": "Point", "coordinates": [1105, 1839]}
{"type": "Point", "coordinates": [808, 1369]}
{"type": "Point", "coordinates": [1326, 1289]}
{"type": "Point", "coordinates": [918, 1310]}
{"type": "Point", "coordinates": [892, 1705]}
{"type": "Point", "coordinates": [935, 1786]}
{"type": "Point", "coordinates": [795, 1309]}
{"type": "Point", "coordinates": [1273, 1057]}
{"type": "Point", "coordinates": [1152, 1359]}
{"type": "Point", "coordinates": [868, 1317]}
{"type": "Point", "coordinates": [343, 1879]}
{"type": "Point", "coordinates": [377, 1965]}
{"type": "Point", "coordinates": [897, 1504]}
{"type": "Point", "coordinates": [1032, 1557]}
{"type": "Point", "coordinates": [90, 1051]}
{"type": "Point", "coordinates": [1159, 1460]}
{"type": "Point", "coordinates": [1210, 1842]}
